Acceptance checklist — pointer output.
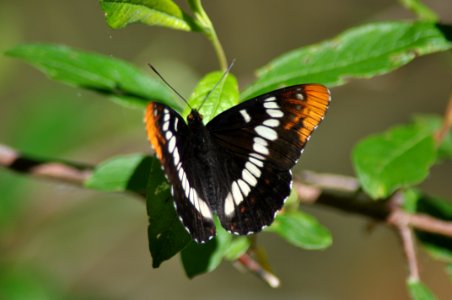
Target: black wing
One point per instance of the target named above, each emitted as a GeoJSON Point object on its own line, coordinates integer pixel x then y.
{"type": "Point", "coordinates": [260, 140]}
{"type": "Point", "coordinates": [168, 134]}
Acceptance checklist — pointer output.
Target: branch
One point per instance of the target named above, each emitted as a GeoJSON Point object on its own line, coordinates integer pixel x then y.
{"type": "Point", "coordinates": [64, 171]}
{"type": "Point", "coordinates": [336, 191]}
{"type": "Point", "coordinates": [400, 221]}
{"type": "Point", "coordinates": [254, 267]}
{"type": "Point", "coordinates": [447, 123]}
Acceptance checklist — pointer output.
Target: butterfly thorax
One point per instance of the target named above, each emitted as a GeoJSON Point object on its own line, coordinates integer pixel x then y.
{"type": "Point", "coordinates": [204, 152]}
{"type": "Point", "coordinates": [199, 134]}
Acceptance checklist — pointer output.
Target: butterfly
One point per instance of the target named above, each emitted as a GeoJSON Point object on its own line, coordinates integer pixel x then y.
{"type": "Point", "coordinates": [238, 165]}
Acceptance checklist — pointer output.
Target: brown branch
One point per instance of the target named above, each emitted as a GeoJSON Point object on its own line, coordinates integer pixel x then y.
{"type": "Point", "coordinates": [64, 171]}
{"type": "Point", "coordinates": [400, 221]}
{"type": "Point", "coordinates": [447, 123]}
{"type": "Point", "coordinates": [254, 267]}
{"type": "Point", "coordinates": [336, 191]}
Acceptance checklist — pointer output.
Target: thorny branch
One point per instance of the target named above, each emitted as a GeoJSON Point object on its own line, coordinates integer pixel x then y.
{"type": "Point", "coordinates": [336, 191]}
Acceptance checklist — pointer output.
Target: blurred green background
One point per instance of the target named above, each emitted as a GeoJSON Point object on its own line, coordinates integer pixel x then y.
{"type": "Point", "coordinates": [62, 242]}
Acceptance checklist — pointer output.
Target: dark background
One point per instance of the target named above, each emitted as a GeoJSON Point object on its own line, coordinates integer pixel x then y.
{"type": "Point", "coordinates": [91, 243]}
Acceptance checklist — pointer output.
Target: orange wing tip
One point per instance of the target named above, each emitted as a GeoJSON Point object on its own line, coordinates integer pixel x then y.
{"type": "Point", "coordinates": [153, 133]}
{"type": "Point", "coordinates": [314, 107]}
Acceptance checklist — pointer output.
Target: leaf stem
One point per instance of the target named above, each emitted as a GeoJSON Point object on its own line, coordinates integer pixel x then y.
{"type": "Point", "coordinates": [420, 10]}
{"type": "Point", "coordinates": [209, 30]}
{"type": "Point", "coordinates": [447, 124]}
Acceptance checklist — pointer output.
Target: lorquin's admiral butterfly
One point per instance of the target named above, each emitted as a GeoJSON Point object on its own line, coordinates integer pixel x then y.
{"type": "Point", "coordinates": [238, 165]}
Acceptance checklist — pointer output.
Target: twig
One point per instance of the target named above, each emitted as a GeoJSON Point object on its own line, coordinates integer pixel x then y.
{"type": "Point", "coordinates": [447, 123]}
{"type": "Point", "coordinates": [56, 170]}
{"type": "Point", "coordinates": [336, 191]}
{"type": "Point", "coordinates": [400, 221]}
{"type": "Point", "coordinates": [254, 267]}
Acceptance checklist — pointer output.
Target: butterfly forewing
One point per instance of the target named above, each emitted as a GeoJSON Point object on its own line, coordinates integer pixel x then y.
{"type": "Point", "coordinates": [265, 137]}
{"type": "Point", "coordinates": [171, 139]}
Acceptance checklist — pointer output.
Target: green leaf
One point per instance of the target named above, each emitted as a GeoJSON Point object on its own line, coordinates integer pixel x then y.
{"type": "Point", "coordinates": [361, 52]}
{"type": "Point", "coordinates": [435, 123]}
{"type": "Point", "coordinates": [418, 291]}
{"type": "Point", "coordinates": [445, 149]}
{"type": "Point", "coordinates": [399, 157]}
{"type": "Point", "coordinates": [167, 236]}
{"type": "Point", "coordinates": [202, 258]}
{"type": "Point", "coordinates": [17, 283]}
{"type": "Point", "coordinates": [121, 173]}
{"type": "Point", "coordinates": [438, 246]}
{"type": "Point", "coordinates": [113, 77]}
{"type": "Point", "coordinates": [224, 94]}
{"type": "Point", "coordinates": [166, 13]}
{"type": "Point", "coordinates": [420, 10]}
{"type": "Point", "coordinates": [237, 248]}
{"type": "Point", "coordinates": [301, 230]}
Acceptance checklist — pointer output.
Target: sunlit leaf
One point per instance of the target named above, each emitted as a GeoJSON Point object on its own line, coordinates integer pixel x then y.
{"type": "Point", "coordinates": [419, 291]}
{"type": "Point", "coordinates": [399, 157]}
{"type": "Point", "coordinates": [121, 173]}
{"type": "Point", "coordinates": [361, 52]}
{"type": "Point", "coordinates": [110, 76]}
{"type": "Point", "coordinates": [120, 13]}
{"type": "Point", "coordinates": [435, 124]}
{"type": "Point", "coordinates": [237, 247]}
{"type": "Point", "coordinates": [301, 230]}
{"type": "Point", "coordinates": [222, 94]}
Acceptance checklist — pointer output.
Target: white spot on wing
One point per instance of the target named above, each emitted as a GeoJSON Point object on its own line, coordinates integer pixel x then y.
{"type": "Point", "coordinates": [272, 105]}
{"type": "Point", "coordinates": [248, 177]}
{"type": "Point", "coordinates": [260, 141]}
{"type": "Point", "coordinates": [266, 132]}
{"type": "Point", "coordinates": [260, 148]}
{"type": "Point", "coordinates": [168, 135]}
{"type": "Point", "coordinates": [245, 115]}
{"type": "Point", "coordinates": [273, 98]}
{"type": "Point", "coordinates": [253, 169]}
{"type": "Point", "coordinates": [244, 187]}
{"type": "Point", "coordinates": [229, 206]}
{"type": "Point", "coordinates": [165, 126]}
{"type": "Point", "coordinates": [258, 156]}
{"type": "Point", "coordinates": [299, 96]}
{"type": "Point", "coordinates": [176, 157]}
{"type": "Point", "coordinates": [271, 123]}
{"type": "Point", "coordinates": [172, 144]}
{"type": "Point", "coordinates": [238, 198]}
{"type": "Point", "coordinates": [275, 113]}
{"type": "Point", "coordinates": [257, 162]}
{"type": "Point", "coordinates": [166, 115]}
{"type": "Point", "coordinates": [204, 209]}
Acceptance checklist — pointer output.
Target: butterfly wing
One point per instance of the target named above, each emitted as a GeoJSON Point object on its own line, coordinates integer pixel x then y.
{"type": "Point", "coordinates": [262, 139]}
{"type": "Point", "coordinates": [170, 138]}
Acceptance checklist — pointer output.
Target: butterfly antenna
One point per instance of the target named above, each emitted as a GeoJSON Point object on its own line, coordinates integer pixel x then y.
{"type": "Point", "coordinates": [218, 82]}
{"type": "Point", "coordinates": [169, 85]}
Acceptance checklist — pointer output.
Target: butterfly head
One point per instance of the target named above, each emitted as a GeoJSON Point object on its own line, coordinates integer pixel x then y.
{"type": "Point", "coordinates": [194, 117]}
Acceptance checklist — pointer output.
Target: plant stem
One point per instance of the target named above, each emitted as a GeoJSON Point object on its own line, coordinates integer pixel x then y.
{"type": "Point", "coordinates": [209, 31]}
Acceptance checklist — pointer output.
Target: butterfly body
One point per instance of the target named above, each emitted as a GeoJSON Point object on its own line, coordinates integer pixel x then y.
{"type": "Point", "coordinates": [238, 165]}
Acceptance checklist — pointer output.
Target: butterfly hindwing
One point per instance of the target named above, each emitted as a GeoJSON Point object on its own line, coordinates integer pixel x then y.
{"type": "Point", "coordinates": [264, 136]}
{"type": "Point", "coordinates": [170, 137]}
